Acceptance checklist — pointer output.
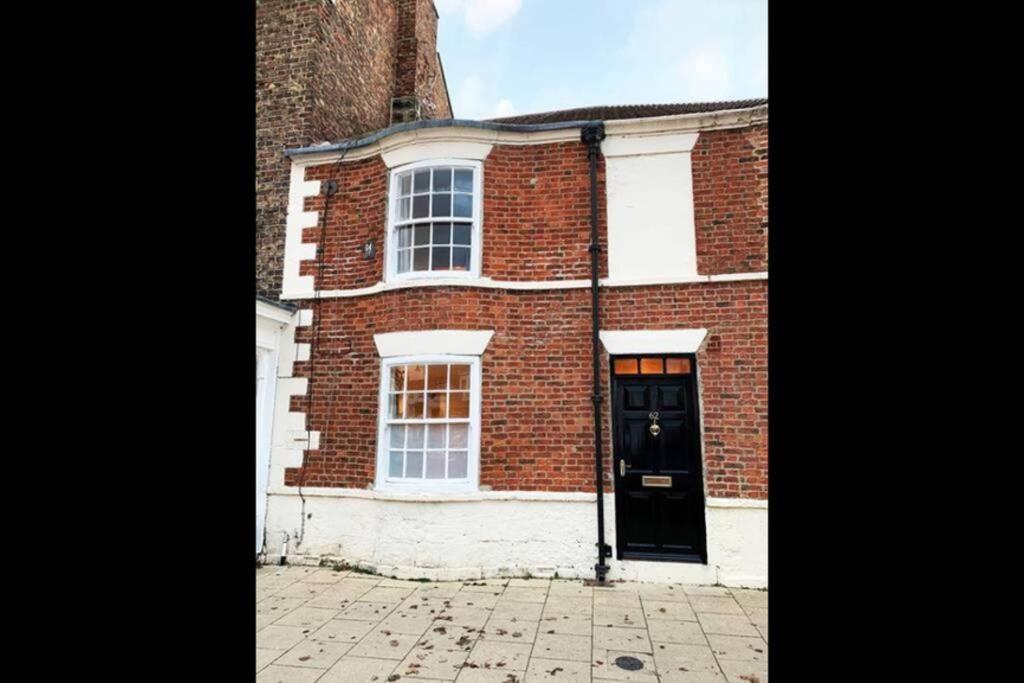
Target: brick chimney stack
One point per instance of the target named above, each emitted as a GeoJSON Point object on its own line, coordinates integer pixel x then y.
{"type": "Point", "coordinates": [420, 91]}
{"type": "Point", "coordinates": [327, 70]}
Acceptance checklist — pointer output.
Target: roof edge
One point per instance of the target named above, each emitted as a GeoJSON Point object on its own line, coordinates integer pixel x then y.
{"type": "Point", "coordinates": [366, 140]}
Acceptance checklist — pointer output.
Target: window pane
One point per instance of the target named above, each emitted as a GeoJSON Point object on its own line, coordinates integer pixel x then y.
{"type": "Point", "coordinates": [395, 463]}
{"type": "Point", "coordinates": [442, 233]}
{"type": "Point", "coordinates": [460, 258]}
{"type": "Point", "coordinates": [422, 181]}
{"type": "Point", "coordinates": [435, 464]}
{"type": "Point", "coordinates": [397, 377]}
{"type": "Point", "coordinates": [442, 179]}
{"type": "Point", "coordinates": [416, 377]}
{"type": "Point", "coordinates": [405, 183]}
{"type": "Point", "coordinates": [414, 464]}
{"type": "Point", "coordinates": [442, 258]}
{"type": "Point", "coordinates": [458, 436]}
{"type": "Point", "coordinates": [414, 406]}
{"type": "Point", "coordinates": [422, 234]}
{"type": "Point", "coordinates": [396, 405]}
{"type": "Point", "coordinates": [436, 405]}
{"type": "Point", "coordinates": [405, 237]}
{"type": "Point", "coordinates": [650, 366]}
{"type": "Point", "coordinates": [435, 436]}
{"type": "Point", "coordinates": [403, 209]}
{"type": "Point", "coordinates": [420, 203]}
{"type": "Point", "coordinates": [677, 366]}
{"type": "Point", "coordinates": [625, 366]}
{"type": "Point", "coordinates": [464, 180]}
{"type": "Point", "coordinates": [462, 233]}
{"type": "Point", "coordinates": [421, 258]}
{"type": "Point", "coordinates": [460, 377]}
{"type": "Point", "coordinates": [442, 205]}
{"type": "Point", "coordinates": [437, 377]}
{"type": "Point", "coordinates": [415, 433]}
{"type": "Point", "coordinates": [459, 406]}
{"type": "Point", "coordinates": [404, 260]}
{"type": "Point", "coordinates": [457, 465]}
{"type": "Point", "coordinates": [463, 205]}
{"type": "Point", "coordinates": [397, 436]}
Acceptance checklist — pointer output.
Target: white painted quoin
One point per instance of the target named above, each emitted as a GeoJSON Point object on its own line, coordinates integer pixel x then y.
{"type": "Point", "coordinates": [460, 530]}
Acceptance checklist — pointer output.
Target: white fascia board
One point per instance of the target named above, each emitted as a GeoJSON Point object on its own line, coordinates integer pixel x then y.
{"type": "Point", "coordinates": [397, 144]}
{"type": "Point", "coordinates": [647, 144]}
{"type": "Point", "coordinates": [679, 123]}
{"type": "Point", "coordinates": [619, 342]}
{"type": "Point", "coordinates": [426, 342]}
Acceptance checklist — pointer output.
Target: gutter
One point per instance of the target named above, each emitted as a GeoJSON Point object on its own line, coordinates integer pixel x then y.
{"type": "Point", "coordinates": [436, 123]}
{"type": "Point", "coordinates": [694, 121]}
{"type": "Point", "coordinates": [592, 135]}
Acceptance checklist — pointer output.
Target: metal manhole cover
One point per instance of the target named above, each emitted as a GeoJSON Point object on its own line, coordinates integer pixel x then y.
{"type": "Point", "coordinates": [629, 663]}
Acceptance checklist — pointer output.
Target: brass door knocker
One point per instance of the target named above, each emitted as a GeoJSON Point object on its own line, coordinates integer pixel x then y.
{"type": "Point", "coordinates": [655, 427]}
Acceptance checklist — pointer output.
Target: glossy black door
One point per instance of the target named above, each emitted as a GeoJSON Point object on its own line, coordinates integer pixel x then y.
{"type": "Point", "coordinates": [659, 489]}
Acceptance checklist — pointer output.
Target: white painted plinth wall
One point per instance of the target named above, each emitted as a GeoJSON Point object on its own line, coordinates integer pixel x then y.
{"type": "Point", "coordinates": [503, 534]}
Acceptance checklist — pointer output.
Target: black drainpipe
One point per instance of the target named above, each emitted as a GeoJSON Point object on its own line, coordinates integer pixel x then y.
{"type": "Point", "coordinates": [592, 135]}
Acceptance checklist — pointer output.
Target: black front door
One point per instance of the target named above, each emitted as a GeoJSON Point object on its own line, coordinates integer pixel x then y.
{"type": "Point", "coordinates": [659, 488]}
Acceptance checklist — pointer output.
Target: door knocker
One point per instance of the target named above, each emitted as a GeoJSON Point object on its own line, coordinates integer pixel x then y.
{"type": "Point", "coordinates": [655, 427]}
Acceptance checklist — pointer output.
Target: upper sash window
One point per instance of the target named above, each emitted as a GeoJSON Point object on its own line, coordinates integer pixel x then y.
{"type": "Point", "coordinates": [434, 220]}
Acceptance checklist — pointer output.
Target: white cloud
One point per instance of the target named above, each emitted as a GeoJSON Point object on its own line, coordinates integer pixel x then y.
{"type": "Point", "coordinates": [705, 75]}
{"type": "Point", "coordinates": [481, 16]}
{"type": "Point", "coordinates": [476, 98]}
{"type": "Point", "coordinates": [692, 51]}
{"type": "Point", "coordinates": [468, 99]}
{"type": "Point", "coordinates": [503, 108]}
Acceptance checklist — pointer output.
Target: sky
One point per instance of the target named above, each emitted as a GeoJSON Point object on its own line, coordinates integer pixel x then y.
{"type": "Point", "coordinates": [506, 57]}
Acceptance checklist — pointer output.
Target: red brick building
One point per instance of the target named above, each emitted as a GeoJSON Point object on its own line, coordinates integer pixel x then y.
{"type": "Point", "coordinates": [435, 415]}
{"type": "Point", "coordinates": [324, 70]}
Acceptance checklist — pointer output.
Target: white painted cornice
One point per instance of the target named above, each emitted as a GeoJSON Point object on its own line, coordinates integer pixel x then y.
{"type": "Point", "coordinates": [655, 125]}
{"type": "Point", "coordinates": [689, 123]}
{"type": "Point", "coordinates": [519, 285]}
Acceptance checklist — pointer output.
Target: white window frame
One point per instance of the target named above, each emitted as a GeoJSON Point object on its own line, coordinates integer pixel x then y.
{"type": "Point", "coordinates": [472, 480]}
{"type": "Point", "coordinates": [391, 273]}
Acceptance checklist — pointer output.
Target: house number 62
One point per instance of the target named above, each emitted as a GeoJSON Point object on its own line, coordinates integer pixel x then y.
{"type": "Point", "coordinates": [655, 428]}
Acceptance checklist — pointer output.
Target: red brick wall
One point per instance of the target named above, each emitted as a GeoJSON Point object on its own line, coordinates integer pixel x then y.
{"type": "Point", "coordinates": [536, 419]}
{"type": "Point", "coordinates": [733, 369]}
{"type": "Point", "coordinates": [536, 216]}
{"type": "Point", "coordinates": [324, 71]}
{"type": "Point", "coordinates": [536, 411]}
{"type": "Point", "coordinates": [537, 212]}
{"type": "Point", "coordinates": [358, 212]}
{"type": "Point", "coordinates": [730, 190]}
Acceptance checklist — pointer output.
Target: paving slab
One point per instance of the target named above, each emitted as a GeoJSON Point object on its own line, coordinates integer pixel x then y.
{"type": "Point", "coordinates": [314, 654]}
{"type": "Point", "coordinates": [315, 624]}
{"type": "Point", "coordinates": [559, 670]}
{"type": "Point", "coordinates": [359, 670]}
{"type": "Point", "coordinates": [288, 674]}
{"type": "Point", "coordinates": [562, 646]}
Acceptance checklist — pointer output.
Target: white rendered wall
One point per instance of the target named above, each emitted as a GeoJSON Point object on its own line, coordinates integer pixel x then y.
{"type": "Point", "coordinates": [270, 323]}
{"type": "Point", "coordinates": [504, 534]}
{"type": "Point", "coordinates": [651, 230]}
